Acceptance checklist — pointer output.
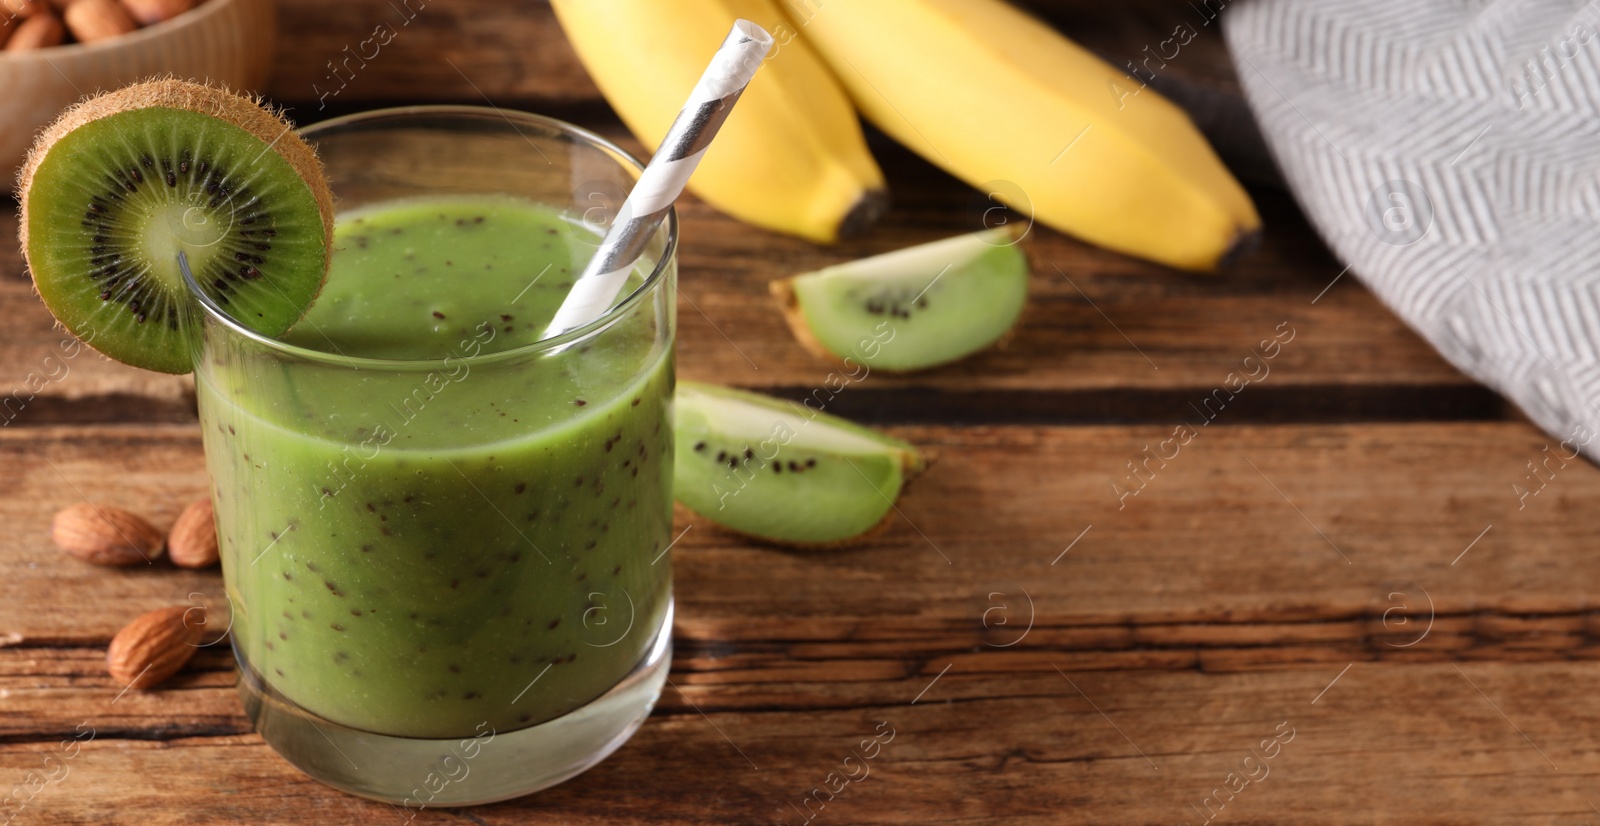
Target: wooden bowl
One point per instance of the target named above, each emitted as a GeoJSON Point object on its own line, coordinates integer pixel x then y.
{"type": "Point", "coordinates": [225, 41]}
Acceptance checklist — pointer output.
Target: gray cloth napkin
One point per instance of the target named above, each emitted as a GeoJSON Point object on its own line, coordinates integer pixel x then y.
{"type": "Point", "coordinates": [1449, 153]}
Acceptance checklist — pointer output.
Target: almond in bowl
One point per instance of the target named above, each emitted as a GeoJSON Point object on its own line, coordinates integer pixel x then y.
{"type": "Point", "coordinates": [52, 56]}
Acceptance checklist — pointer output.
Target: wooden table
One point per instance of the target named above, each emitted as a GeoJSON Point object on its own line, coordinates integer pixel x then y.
{"type": "Point", "coordinates": [1339, 554]}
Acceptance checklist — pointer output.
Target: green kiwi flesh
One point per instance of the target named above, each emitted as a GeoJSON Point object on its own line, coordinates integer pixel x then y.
{"type": "Point", "coordinates": [914, 308]}
{"type": "Point", "coordinates": [781, 471]}
{"type": "Point", "coordinates": [112, 195]}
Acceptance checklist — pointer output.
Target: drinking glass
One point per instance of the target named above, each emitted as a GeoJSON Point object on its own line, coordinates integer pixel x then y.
{"type": "Point", "coordinates": [447, 573]}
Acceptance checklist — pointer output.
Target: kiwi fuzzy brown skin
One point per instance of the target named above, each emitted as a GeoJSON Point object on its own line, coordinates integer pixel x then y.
{"type": "Point", "coordinates": [837, 545]}
{"type": "Point", "coordinates": [245, 112]}
{"type": "Point", "coordinates": [783, 291]}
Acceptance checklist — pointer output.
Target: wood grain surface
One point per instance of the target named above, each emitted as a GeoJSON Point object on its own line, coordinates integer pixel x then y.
{"type": "Point", "coordinates": [1105, 338]}
{"type": "Point", "coordinates": [1269, 533]}
{"type": "Point", "coordinates": [1077, 618]}
{"type": "Point", "coordinates": [1245, 578]}
{"type": "Point", "coordinates": [1387, 743]}
{"type": "Point", "coordinates": [458, 50]}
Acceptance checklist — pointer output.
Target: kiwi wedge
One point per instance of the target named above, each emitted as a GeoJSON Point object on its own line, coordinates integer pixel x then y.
{"type": "Point", "coordinates": [124, 182]}
{"type": "Point", "coordinates": [914, 308]}
{"type": "Point", "coordinates": [784, 472]}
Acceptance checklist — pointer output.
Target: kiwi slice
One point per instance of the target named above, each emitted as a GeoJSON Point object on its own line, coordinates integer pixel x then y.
{"type": "Point", "coordinates": [124, 182]}
{"type": "Point", "coordinates": [913, 308]}
{"type": "Point", "coordinates": [783, 472]}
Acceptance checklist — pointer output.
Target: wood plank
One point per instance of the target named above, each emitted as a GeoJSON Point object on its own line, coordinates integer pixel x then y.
{"type": "Point", "coordinates": [46, 377]}
{"type": "Point", "coordinates": [518, 55]}
{"type": "Point", "coordinates": [515, 55]}
{"type": "Point", "coordinates": [1246, 524]}
{"type": "Point", "coordinates": [1105, 339]}
{"type": "Point", "coordinates": [1382, 743]}
{"type": "Point", "coordinates": [1198, 617]}
{"type": "Point", "coordinates": [515, 52]}
{"type": "Point", "coordinates": [47, 688]}
{"type": "Point", "coordinates": [505, 51]}
{"type": "Point", "coordinates": [1097, 321]}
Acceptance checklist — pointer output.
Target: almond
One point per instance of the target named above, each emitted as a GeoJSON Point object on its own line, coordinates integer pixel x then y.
{"type": "Point", "coordinates": [40, 31]}
{"type": "Point", "coordinates": [153, 647]}
{"type": "Point", "coordinates": [23, 8]}
{"type": "Point", "coordinates": [193, 540]}
{"type": "Point", "coordinates": [105, 535]}
{"type": "Point", "coordinates": [151, 12]}
{"type": "Point", "coordinates": [92, 20]}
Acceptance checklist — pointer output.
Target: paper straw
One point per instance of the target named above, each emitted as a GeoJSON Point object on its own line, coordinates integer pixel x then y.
{"type": "Point", "coordinates": [663, 180]}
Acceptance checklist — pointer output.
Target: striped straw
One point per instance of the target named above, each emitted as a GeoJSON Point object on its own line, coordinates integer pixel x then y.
{"type": "Point", "coordinates": [663, 180]}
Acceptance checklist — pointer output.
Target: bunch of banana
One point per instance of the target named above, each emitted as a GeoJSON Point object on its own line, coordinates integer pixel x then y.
{"type": "Point", "coordinates": [791, 157]}
{"type": "Point", "coordinates": [977, 87]}
{"type": "Point", "coordinates": [989, 93]}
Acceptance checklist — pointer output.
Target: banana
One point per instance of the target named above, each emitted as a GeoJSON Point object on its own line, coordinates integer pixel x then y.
{"type": "Point", "coordinates": [992, 95]}
{"type": "Point", "coordinates": [791, 157]}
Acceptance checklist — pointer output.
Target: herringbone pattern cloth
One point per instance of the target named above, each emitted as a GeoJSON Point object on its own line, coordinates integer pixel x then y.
{"type": "Point", "coordinates": [1449, 153]}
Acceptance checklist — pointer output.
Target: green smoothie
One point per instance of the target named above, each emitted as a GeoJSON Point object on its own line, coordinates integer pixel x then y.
{"type": "Point", "coordinates": [464, 535]}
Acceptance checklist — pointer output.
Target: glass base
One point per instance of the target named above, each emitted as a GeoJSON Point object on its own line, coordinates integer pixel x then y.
{"type": "Point", "coordinates": [463, 771]}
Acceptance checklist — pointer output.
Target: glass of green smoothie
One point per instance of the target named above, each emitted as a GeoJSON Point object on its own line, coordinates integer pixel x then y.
{"type": "Point", "coordinates": [444, 538]}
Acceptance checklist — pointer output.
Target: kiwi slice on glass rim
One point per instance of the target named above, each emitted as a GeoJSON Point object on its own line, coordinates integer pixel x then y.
{"type": "Point", "coordinates": [124, 182]}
